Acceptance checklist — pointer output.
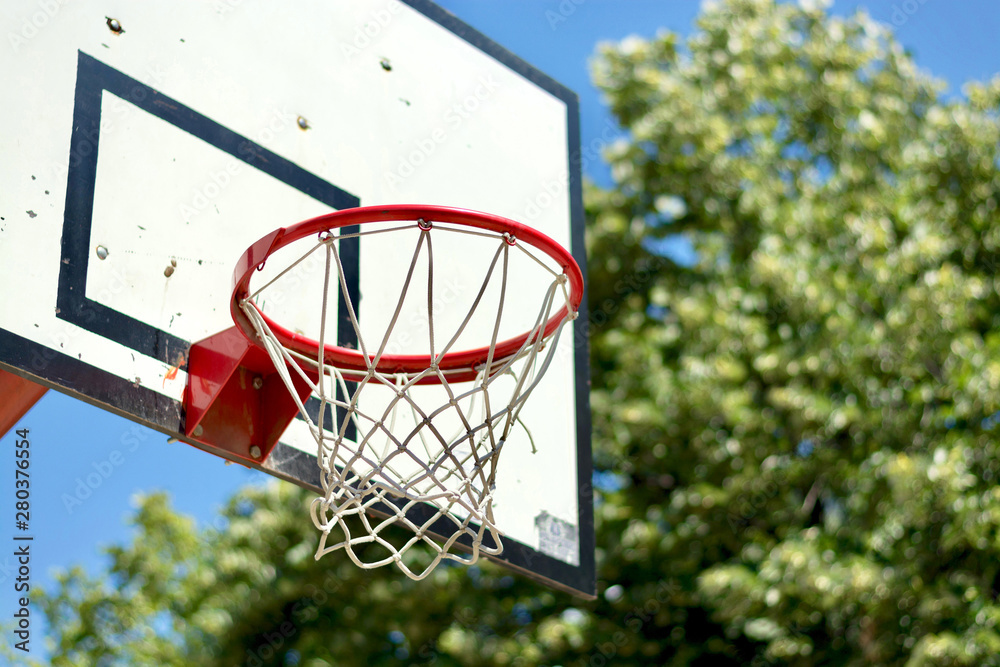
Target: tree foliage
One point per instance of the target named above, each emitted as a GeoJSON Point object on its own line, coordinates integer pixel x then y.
{"type": "Point", "coordinates": [247, 591]}
{"type": "Point", "coordinates": [800, 425]}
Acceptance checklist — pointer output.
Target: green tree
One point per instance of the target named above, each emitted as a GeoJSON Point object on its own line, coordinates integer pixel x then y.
{"type": "Point", "coordinates": [249, 592]}
{"type": "Point", "coordinates": [810, 449]}
{"type": "Point", "coordinates": [800, 423]}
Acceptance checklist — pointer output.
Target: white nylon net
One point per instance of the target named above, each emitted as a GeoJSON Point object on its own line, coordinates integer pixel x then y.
{"type": "Point", "coordinates": [418, 450]}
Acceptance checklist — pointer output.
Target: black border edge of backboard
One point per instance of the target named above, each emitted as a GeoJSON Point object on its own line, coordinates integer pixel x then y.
{"type": "Point", "coordinates": [581, 580]}
{"type": "Point", "coordinates": [68, 375]}
{"type": "Point", "coordinates": [95, 386]}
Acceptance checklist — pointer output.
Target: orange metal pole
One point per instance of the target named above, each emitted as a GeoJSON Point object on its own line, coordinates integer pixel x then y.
{"type": "Point", "coordinates": [17, 395]}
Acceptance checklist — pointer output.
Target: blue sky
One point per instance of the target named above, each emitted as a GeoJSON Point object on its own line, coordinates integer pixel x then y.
{"type": "Point", "coordinates": [88, 465]}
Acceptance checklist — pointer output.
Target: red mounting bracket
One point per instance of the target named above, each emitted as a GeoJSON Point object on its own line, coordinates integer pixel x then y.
{"type": "Point", "coordinates": [235, 400]}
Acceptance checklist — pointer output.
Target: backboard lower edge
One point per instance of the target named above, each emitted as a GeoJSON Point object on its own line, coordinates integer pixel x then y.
{"type": "Point", "coordinates": [159, 413]}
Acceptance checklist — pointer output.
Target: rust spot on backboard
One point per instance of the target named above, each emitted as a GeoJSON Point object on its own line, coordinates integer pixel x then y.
{"type": "Point", "coordinates": [163, 103]}
{"type": "Point", "coordinates": [172, 373]}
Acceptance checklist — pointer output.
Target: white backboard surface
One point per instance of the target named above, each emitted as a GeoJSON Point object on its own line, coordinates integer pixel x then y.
{"type": "Point", "coordinates": [143, 155]}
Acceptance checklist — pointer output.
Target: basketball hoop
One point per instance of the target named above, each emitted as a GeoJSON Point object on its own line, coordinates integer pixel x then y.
{"type": "Point", "coordinates": [404, 439]}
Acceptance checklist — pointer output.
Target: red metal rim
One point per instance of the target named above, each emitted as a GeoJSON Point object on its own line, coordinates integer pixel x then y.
{"type": "Point", "coordinates": [459, 366]}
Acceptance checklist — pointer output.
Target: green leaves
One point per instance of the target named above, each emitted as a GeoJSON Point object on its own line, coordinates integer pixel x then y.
{"type": "Point", "coordinates": [823, 376]}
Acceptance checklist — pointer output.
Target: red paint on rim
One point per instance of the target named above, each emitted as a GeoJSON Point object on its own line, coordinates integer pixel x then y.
{"type": "Point", "coordinates": [458, 366]}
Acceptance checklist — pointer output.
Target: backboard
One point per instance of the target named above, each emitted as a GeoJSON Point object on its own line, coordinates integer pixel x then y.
{"type": "Point", "coordinates": [152, 145]}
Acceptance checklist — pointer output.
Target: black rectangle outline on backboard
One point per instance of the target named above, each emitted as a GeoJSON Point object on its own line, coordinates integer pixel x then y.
{"type": "Point", "coordinates": [93, 79]}
{"type": "Point", "coordinates": [579, 579]}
